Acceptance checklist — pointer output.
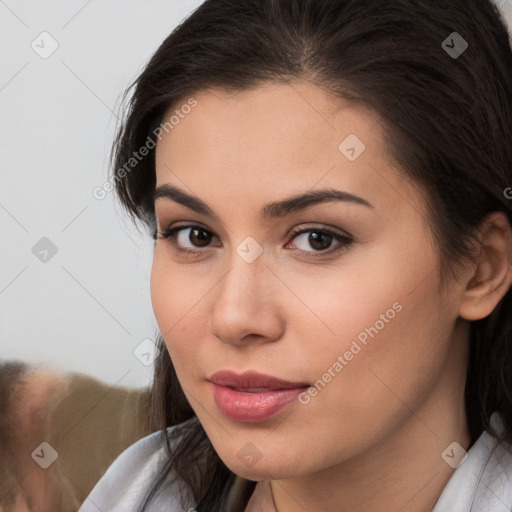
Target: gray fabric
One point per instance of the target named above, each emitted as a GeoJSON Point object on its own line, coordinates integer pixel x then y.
{"type": "Point", "coordinates": [481, 483]}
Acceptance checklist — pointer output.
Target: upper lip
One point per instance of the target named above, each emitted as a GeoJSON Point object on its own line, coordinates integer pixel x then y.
{"type": "Point", "coordinates": [252, 379]}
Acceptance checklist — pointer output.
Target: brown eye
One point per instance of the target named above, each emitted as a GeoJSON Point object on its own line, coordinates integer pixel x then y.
{"type": "Point", "coordinates": [200, 237]}
{"type": "Point", "coordinates": [320, 241]}
{"type": "Point", "coordinates": [187, 239]}
{"type": "Point", "coordinates": [311, 241]}
{"type": "Point", "coordinates": [195, 240]}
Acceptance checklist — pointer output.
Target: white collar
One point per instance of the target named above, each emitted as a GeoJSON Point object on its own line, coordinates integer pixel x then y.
{"type": "Point", "coordinates": [483, 481]}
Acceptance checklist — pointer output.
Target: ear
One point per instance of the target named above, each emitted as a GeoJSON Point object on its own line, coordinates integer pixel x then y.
{"type": "Point", "coordinates": [491, 277]}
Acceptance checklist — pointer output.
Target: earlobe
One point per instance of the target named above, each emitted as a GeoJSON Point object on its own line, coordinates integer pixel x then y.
{"type": "Point", "coordinates": [492, 275]}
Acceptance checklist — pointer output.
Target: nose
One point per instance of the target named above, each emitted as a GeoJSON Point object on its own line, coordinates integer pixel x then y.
{"type": "Point", "coordinates": [245, 306]}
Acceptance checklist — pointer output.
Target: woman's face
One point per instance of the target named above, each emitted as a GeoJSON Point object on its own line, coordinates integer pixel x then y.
{"type": "Point", "coordinates": [350, 307]}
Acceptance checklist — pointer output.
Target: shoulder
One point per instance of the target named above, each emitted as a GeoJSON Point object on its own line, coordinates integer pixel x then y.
{"type": "Point", "coordinates": [126, 482]}
{"type": "Point", "coordinates": [483, 479]}
{"type": "Point", "coordinates": [494, 490]}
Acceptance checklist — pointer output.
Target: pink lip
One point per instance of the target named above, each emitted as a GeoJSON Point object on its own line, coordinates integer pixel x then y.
{"type": "Point", "coordinates": [252, 397]}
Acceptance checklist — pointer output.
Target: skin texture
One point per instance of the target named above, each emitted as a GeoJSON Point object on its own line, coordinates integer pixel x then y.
{"type": "Point", "coordinates": [372, 438]}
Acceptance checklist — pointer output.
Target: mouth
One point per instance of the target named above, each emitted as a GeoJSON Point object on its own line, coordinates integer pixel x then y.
{"type": "Point", "coordinates": [252, 382]}
{"type": "Point", "coordinates": [251, 390]}
{"type": "Point", "coordinates": [252, 397]}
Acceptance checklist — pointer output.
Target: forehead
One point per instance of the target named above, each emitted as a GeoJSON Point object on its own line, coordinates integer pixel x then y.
{"type": "Point", "coordinates": [277, 138]}
{"type": "Point", "coordinates": [273, 122]}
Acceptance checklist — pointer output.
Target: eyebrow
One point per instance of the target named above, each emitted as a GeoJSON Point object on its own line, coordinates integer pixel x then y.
{"type": "Point", "coordinates": [271, 210]}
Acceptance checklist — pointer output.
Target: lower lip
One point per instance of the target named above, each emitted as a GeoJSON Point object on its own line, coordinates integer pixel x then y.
{"type": "Point", "coordinates": [253, 407]}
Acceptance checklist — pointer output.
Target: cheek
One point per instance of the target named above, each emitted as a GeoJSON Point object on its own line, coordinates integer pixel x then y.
{"type": "Point", "coordinates": [165, 287]}
{"type": "Point", "coordinates": [175, 290]}
{"type": "Point", "coordinates": [173, 298]}
{"type": "Point", "coordinates": [380, 312]}
{"type": "Point", "coordinates": [178, 299]}
{"type": "Point", "coordinates": [367, 290]}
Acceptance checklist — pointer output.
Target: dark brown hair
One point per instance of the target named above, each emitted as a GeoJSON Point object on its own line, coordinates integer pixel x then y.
{"type": "Point", "coordinates": [447, 121]}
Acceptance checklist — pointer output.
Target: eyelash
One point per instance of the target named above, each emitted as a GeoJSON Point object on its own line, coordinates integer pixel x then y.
{"type": "Point", "coordinates": [170, 234]}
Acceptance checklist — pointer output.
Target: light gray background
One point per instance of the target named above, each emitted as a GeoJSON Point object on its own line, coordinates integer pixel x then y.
{"type": "Point", "coordinates": [88, 307]}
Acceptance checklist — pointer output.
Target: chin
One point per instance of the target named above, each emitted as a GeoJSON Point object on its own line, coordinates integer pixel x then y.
{"type": "Point", "coordinates": [264, 468]}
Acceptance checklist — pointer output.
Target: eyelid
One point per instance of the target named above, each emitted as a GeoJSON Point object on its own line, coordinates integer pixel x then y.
{"type": "Point", "coordinates": [344, 241]}
{"type": "Point", "coordinates": [303, 226]}
{"type": "Point", "coordinates": [343, 238]}
{"type": "Point", "coordinates": [321, 227]}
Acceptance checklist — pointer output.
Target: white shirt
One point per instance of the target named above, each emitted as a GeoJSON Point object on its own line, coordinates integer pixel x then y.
{"type": "Point", "coordinates": [481, 483]}
{"type": "Point", "coordinates": [123, 486]}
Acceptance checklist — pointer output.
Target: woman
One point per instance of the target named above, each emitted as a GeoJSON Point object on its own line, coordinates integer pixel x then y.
{"type": "Point", "coordinates": [326, 182]}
